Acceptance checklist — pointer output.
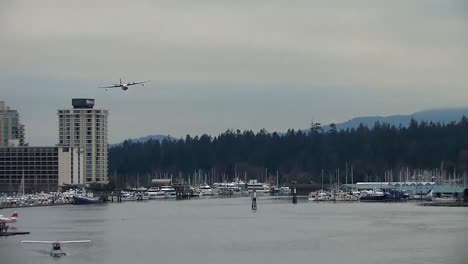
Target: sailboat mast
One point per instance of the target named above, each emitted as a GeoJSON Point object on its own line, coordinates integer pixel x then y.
{"type": "Point", "coordinates": [322, 179]}
{"type": "Point", "coordinates": [21, 187]}
{"type": "Point", "coordinates": [277, 179]}
{"type": "Point", "coordinates": [346, 165]}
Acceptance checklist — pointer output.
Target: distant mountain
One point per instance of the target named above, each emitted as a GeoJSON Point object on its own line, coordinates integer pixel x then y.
{"type": "Point", "coordinates": [146, 138]}
{"type": "Point", "coordinates": [446, 115]}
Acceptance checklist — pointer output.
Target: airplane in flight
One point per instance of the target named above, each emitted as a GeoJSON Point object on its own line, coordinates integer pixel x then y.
{"type": "Point", "coordinates": [56, 251]}
{"type": "Point", "coordinates": [124, 86]}
{"type": "Point", "coordinates": [13, 218]}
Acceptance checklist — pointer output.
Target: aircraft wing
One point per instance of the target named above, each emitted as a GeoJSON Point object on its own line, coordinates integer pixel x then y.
{"type": "Point", "coordinates": [52, 242]}
{"type": "Point", "coordinates": [38, 242]}
{"type": "Point", "coordinates": [74, 241]}
{"type": "Point", "coordinates": [133, 83]}
{"type": "Point", "coordinates": [112, 86]}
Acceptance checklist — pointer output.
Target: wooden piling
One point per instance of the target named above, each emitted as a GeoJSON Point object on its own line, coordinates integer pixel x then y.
{"type": "Point", "coordinates": [294, 196]}
{"type": "Point", "coordinates": [254, 201]}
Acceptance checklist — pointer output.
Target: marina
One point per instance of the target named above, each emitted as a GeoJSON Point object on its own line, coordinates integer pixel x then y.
{"type": "Point", "coordinates": [427, 193]}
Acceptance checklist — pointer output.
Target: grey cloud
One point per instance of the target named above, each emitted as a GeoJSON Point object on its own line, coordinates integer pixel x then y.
{"type": "Point", "coordinates": [406, 55]}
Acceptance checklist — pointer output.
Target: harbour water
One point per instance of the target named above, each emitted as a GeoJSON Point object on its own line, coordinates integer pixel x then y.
{"type": "Point", "coordinates": [228, 231]}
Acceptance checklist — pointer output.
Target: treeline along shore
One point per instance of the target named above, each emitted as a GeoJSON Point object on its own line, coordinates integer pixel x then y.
{"type": "Point", "coordinates": [374, 153]}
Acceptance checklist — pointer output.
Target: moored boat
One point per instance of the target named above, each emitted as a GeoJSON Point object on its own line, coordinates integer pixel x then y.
{"type": "Point", "coordinates": [169, 192]}
{"type": "Point", "coordinates": [78, 199]}
{"type": "Point", "coordinates": [258, 187]}
{"type": "Point", "coordinates": [206, 190]}
{"type": "Point", "coordinates": [319, 196]}
{"type": "Point", "coordinates": [383, 196]}
{"type": "Point", "coordinates": [155, 193]}
{"type": "Point", "coordinates": [127, 196]}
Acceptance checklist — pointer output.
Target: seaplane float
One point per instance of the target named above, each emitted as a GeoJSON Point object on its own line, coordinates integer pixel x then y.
{"type": "Point", "coordinates": [56, 251]}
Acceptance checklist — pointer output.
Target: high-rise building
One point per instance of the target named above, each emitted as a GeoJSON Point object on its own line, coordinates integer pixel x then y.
{"type": "Point", "coordinates": [11, 130]}
{"type": "Point", "coordinates": [85, 128]}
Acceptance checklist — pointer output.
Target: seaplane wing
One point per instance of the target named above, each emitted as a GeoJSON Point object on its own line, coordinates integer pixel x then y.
{"type": "Point", "coordinates": [38, 242]}
{"type": "Point", "coordinates": [55, 242]}
{"type": "Point", "coordinates": [112, 86]}
{"type": "Point", "coordinates": [74, 241]}
{"type": "Point", "coordinates": [134, 83]}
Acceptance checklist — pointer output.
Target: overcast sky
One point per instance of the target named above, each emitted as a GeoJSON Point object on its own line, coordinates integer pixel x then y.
{"type": "Point", "coordinates": [221, 64]}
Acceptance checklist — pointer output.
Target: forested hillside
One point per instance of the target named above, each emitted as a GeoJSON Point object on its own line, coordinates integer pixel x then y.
{"type": "Point", "coordinates": [298, 155]}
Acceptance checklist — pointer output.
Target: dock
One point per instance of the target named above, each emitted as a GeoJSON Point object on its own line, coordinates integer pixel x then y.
{"type": "Point", "coordinates": [5, 234]}
{"type": "Point", "coordinates": [457, 204]}
{"type": "Point", "coordinates": [4, 231]}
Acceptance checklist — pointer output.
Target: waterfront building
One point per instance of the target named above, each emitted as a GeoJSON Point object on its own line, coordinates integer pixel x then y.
{"type": "Point", "coordinates": [409, 187]}
{"type": "Point", "coordinates": [35, 169]}
{"type": "Point", "coordinates": [85, 127]}
{"type": "Point", "coordinates": [11, 129]}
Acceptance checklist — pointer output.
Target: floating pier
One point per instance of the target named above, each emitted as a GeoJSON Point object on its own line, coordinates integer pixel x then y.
{"type": "Point", "coordinates": [456, 204]}
{"type": "Point", "coordinates": [4, 231]}
{"type": "Point", "coordinates": [4, 234]}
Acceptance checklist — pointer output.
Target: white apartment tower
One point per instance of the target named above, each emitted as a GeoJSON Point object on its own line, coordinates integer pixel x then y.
{"type": "Point", "coordinates": [85, 128]}
{"type": "Point", "coordinates": [11, 130]}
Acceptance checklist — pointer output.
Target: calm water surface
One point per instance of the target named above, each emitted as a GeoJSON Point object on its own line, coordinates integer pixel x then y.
{"type": "Point", "coordinates": [227, 231]}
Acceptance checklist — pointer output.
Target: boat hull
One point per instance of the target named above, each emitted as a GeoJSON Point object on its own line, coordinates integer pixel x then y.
{"type": "Point", "coordinates": [85, 200]}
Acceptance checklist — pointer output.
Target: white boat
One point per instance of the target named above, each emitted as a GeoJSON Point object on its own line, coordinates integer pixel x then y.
{"type": "Point", "coordinates": [285, 190]}
{"type": "Point", "coordinates": [205, 190]}
{"type": "Point", "coordinates": [235, 187]}
{"type": "Point", "coordinates": [169, 191]}
{"type": "Point", "coordinates": [444, 199]}
{"type": "Point", "coordinates": [126, 196]}
{"type": "Point", "coordinates": [156, 193]}
{"type": "Point", "coordinates": [142, 196]}
{"type": "Point", "coordinates": [441, 198]}
{"type": "Point", "coordinates": [319, 196]}
{"type": "Point", "coordinates": [260, 188]}
{"type": "Point", "coordinates": [344, 196]}
{"type": "Point", "coordinates": [374, 195]}
{"type": "Point", "coordinates": [371, 193]}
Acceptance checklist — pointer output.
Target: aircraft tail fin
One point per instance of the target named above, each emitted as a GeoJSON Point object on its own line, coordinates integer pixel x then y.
{"type": "Point", "coordinates": [14, 215]}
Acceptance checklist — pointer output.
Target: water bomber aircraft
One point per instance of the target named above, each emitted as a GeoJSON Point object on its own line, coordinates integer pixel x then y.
{"type": "Point", "coordinates": [122, 85]}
